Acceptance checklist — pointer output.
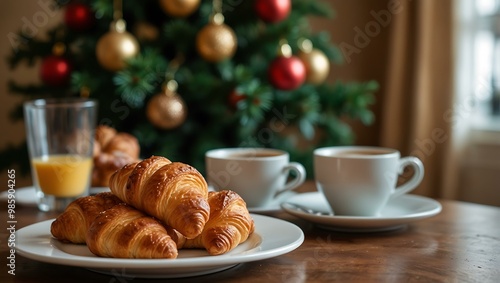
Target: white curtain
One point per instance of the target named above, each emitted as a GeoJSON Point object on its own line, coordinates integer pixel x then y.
{"type": "Point", "coordinates": [461, 112]}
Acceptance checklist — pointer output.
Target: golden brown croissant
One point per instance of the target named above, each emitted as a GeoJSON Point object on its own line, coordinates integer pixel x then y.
{"type": "Point", "coordinates": [173, 192]}
{"type": "Point", "coordinates": [112, 150]}
{"type": "Point", "coordinates": [123, 142]}
{"type": "Point", "coordinates": [103, 134]}
{"type": "Point", "coordinates": [72, 224]}
{"type": "Point", "coordinates": [109, 140]}
{"type": "Point", "coordinates": [229, 225]}
{"type": "Point", "coordinates": [125, 232]}
{"type": "Point", "coordinates": [105, 164]}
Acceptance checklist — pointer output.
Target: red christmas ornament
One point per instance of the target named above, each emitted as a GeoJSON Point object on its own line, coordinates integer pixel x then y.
{"type": "Point", "coordinates": [287, 73]}
{"type": "Point", "coordinates": [55, 70]}
{"type": "Point", "coordinates": [78, 16]}
{"type": "Point", "coordinates": [273, 11]}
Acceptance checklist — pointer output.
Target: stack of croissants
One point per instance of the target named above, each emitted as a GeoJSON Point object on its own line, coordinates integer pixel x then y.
{"type": "Point", "coordinates": [155, 208]}
{"type": "Point", "coordinates": [112, 151]}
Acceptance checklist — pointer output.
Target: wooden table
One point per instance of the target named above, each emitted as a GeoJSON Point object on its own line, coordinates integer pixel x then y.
{"type": "Point", "coordinates": [461, 244]}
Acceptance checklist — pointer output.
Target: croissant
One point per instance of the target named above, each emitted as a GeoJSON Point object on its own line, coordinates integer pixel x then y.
{"type": "Point", "coordinates": [125, 232]}
{"type": "Point", "coordinates": [109, 140]}
{"type": "Point", "coordinates": [173, 192]}
{"type": "Point", "coordinates": [112, 150]}
{"type": "Point", "coordinates": [104, 134]}
{"type": "Point", "coordinates": [229, 225]}
{"type": "Point", "coordinates": [105, 164]}
{"type": "Point", "coordinates": [123, 142]}
{"type": "Point", "coordinates": [71, 226]}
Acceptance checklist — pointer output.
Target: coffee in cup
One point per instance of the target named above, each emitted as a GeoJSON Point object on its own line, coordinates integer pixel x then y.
{"type": "Point", "coordinates": [359, 180]}
{"type": "Point", "coordinates": [258, 175]}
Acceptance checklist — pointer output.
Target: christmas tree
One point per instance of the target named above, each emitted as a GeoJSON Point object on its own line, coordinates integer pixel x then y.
{"type": "Point", "coordinates": [186, 76]}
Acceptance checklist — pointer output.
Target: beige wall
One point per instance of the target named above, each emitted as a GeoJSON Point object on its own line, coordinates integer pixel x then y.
{"type": "Point", "coordinates": [14, 14]}
{"type": "Point", "coordinates": [369, 63]}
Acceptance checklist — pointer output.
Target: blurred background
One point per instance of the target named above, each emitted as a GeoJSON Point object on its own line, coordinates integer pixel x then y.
{"type": "Point", "coordinates": [437, 64]}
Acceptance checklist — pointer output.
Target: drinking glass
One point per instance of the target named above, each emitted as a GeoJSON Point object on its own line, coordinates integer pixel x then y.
{"type": "Point", "coordinates": [60, 136]}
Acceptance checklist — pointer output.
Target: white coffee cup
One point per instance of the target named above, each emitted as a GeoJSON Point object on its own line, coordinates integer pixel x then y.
{"type": "Point", "coordinates": [359, 180]}
{"type": "Point", "coordinates": [258, 175]}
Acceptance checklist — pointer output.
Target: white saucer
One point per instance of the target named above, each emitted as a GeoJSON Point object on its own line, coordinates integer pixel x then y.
{"type": "Point", "coordinates": [272, 207]}
{"type": "Point", "coordinates": [36, 242]}
{"type": "Point", "coordinates": [275, 205]}
{"type": "Point", "coordinates": [397, 213]}
{"type": "Point", "coordinates": [26, 195]}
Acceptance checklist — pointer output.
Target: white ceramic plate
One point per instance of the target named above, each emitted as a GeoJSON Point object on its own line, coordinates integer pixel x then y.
{"type": "Point", "coordinates": [26, 195]}
{"type": "Point", "coordinates": [272, 237]}
{"type": "Point", "coordinates": [397, 213]}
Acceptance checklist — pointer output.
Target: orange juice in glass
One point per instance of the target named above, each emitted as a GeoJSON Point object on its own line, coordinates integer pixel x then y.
{"type": "Point", "coordinates": [63, 175]}
{"type": "Point", "coordinates": [60, 135]}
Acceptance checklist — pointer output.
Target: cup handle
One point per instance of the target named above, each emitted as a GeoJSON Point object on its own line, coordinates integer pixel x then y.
{"type": "Point", "coordinates": [297, 181]}
{"type": "Point", "coordinates": [416, 178]}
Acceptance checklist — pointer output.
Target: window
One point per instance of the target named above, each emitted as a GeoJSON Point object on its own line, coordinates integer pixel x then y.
{"type": "Point", "coordinates": [477, 59]}
{"type": "Point", "coordinates": [486, 56]}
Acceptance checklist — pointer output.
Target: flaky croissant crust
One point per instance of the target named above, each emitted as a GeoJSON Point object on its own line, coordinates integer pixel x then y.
{"type": "Point", "coordinates": [125, 232]}
{"type": "Point", "coordinates": [173, 192]}
{"type": "Point", "coordinates": [71, 226]}
{"type": "Point", "coordinates": [230, 224]}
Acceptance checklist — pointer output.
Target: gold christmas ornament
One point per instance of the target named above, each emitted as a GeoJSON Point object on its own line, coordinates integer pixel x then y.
{"type": "Point", "coordinates": [179, 8]}
{"type": "Point", "coordinates": [145, 31]}
{"type": "Point", "coordinates": [216, 41]}
{"type": "Point", "coordinates": [167, 110]}
{"type": "Point", "coordinates": [316, 63]}
{"type": "Point", "coordinates": [115, 46]}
